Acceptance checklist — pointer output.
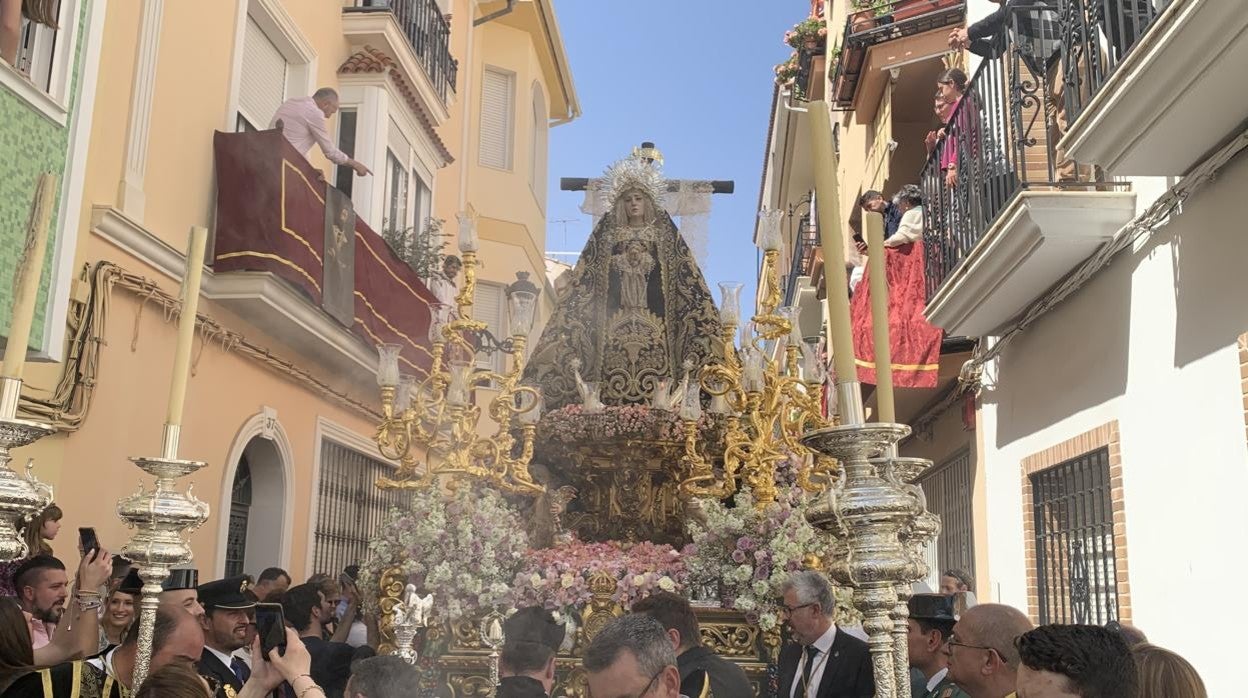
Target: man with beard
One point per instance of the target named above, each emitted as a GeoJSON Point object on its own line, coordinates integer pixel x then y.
{"type": "Point", "coordinates": [227, 624]}
{"type": "Point", "coordinates": [42, 586]}
{"type": "Point", "coordinates": [823, 661]}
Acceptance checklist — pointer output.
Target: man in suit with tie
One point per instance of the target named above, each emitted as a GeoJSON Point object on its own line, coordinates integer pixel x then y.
{"type": "Point", "coordinates": [227, 622]}
{"type": "Point", "coordinates": [821, 662]}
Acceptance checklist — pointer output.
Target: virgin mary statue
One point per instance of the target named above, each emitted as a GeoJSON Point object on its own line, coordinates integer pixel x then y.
{"type": "Point", "coordinates": [637, 307]}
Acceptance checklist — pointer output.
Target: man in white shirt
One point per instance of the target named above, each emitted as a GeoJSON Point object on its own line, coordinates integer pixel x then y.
{"type": "Point", "coordinates": [821, 662]}
{"type": "Point", "coordinates": [302, 120]}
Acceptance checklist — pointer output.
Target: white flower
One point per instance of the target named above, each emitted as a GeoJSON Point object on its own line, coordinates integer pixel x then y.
{"type": "Point", "coordinates": [666, 583]}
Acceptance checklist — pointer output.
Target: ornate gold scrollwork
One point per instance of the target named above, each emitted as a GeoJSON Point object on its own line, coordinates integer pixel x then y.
{"type": "Point", "coordinates": [391, 590]}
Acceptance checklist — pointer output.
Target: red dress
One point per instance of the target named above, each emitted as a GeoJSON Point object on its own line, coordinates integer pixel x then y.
{"type": "Point", "coordinates": [915, 343]}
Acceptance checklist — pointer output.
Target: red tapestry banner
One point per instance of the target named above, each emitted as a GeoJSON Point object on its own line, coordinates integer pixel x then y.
{"type": "Point", "coordinates": [271, 217]}
{"type": "Point", "coordinates": [913, 341]}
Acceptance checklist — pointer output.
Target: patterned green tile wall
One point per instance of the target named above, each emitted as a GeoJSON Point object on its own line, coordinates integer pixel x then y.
{"type": "Point", "coordinates": [30, 144]}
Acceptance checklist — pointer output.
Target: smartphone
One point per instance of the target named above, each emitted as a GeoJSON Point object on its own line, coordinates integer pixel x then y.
{"type": "Point", "coordinates": [87, 541]}
{"type": "Point", "coordinates": [271, 627]}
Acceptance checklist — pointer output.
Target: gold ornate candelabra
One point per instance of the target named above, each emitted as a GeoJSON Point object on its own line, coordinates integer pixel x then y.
{"type": "Point", "coordinates": [21, 498]}
{"type": "Point", "coordinates": [767, 402]}
{"type": "Point", "coordinates": [437, 418]}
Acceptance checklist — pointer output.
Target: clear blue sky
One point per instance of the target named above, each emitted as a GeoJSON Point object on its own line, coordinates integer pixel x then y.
{"type": "Point", "coordinates": [695, 78]}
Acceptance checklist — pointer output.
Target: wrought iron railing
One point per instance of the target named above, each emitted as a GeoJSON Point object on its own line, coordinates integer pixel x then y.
{"type": "Point", "coordinates": [804, 245]}
{"type": "Point", "coordinates": [1001, 139]}
{"type": "Point", "coordinates": [1097, 35]}
{"type": "Point", "coordinates": [428, 33]}
{"type": "Point", "coordinates": [1076, 557]}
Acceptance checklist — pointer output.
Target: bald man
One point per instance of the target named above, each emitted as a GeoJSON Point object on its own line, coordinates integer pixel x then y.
{"type": "Point", "coordinates": [983, 660]}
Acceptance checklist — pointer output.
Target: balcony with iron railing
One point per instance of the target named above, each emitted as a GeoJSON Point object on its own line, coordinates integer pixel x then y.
{"type": "Point", "coordinates": [421, 28]}
{"type": "Point", "coordinates": [1008, 213]}
{"type": "Point", "coordinates": [805, 245]}
{"type": "Point", "coordinates": [923, 22]}
{"type": "Point", "coordinates": [1151, 85]}
{"type": "Point", "coordinates": [291, 257]}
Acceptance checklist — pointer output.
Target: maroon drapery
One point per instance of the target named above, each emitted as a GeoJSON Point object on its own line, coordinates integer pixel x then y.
{"type": "Point", "coordinates": [914, 342]}
{"type": "Point", "coordinates": [271, 217]}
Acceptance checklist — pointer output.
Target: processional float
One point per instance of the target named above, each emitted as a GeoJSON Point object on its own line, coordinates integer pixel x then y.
{"type": "Point", "coordinates": [761, 380]}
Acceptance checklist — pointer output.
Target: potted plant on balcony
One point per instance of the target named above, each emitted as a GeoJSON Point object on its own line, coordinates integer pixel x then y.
{"type": "Point", "coordinates": [905, 9]}
{"type": "Point", "coordinates": [869, 14]}
{"type": "Point", "coordinates": [809, 34]}
{"type": "Point", "coordinates": [421, 249]}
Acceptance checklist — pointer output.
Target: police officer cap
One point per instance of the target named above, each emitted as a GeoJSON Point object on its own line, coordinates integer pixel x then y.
{"type": "Point", "coordinates": [225, 593]}
{"type": "Point", "coordinates": [937, 607]}
{"type": "Point", "coordinates": [183, 578]}
{"type": "Point", "coordinates": [533, 624]}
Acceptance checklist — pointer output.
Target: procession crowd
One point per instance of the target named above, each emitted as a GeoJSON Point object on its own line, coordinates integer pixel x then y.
{"type": "Point", "coordinates": [243, 637]}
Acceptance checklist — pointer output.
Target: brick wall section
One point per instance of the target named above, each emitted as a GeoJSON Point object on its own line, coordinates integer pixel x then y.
{"type": "Point", "coordinates": [1105, 435]}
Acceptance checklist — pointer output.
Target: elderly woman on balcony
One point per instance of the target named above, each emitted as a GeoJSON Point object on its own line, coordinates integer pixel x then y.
{"type": "Point", "coordinates": [910, 203]}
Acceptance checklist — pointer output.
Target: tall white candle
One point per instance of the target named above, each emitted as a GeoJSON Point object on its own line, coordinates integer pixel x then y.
{"type": "Point", "coordinates": [186, 324]}
{"type": "Point", "coordinates": [26, 278]}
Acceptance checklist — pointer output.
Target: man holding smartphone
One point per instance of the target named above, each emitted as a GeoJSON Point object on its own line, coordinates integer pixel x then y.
{"type": "Point", "coordinates": [227, 624]}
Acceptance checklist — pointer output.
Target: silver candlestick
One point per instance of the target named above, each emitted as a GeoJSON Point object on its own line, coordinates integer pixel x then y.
{"type": "Point", "coordinates": [21, 498]}
{"type": "Point", "coordinates": [491, 628]}
{"type": "Point", "coordinates": [872, 512]}
{"type": "Point", "coordinates": [160, 519]}
{"type": "Point", "coordinates": [917, 531]}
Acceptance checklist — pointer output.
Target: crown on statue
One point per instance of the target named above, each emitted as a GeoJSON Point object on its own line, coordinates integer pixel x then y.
{"type": "Point", "coordinates": [633, 172]}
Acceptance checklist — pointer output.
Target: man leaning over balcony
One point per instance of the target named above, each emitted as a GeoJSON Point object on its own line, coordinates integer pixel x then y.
{"type": "Point", "coordinates": [1035, 26]}
{"type": "Point", "coordinates": [302, 121]}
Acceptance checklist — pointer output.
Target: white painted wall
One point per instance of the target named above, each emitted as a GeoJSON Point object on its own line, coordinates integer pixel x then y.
{"type": "Point", "coordinates": [1150, 342]}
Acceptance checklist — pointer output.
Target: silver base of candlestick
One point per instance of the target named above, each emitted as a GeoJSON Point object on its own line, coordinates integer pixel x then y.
{"type": "Point", "coordinates": [161, 519]}
{"type": "Point", "coordinates": [869, 512]}
{"type": "Point", "coordinates": [21, 498]}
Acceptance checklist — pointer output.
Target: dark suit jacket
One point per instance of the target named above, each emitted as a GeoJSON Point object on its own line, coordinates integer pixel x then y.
{"type": "Point", "coordinates": [727, 679]}
{"type": "Point", "coordinates": [847, 674]}
{"type": "Point", "coordinates": [209, 665]}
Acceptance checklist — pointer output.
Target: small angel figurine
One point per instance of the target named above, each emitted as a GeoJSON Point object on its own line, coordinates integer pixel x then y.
{"type": "Point", "coordinates": [588, 391]}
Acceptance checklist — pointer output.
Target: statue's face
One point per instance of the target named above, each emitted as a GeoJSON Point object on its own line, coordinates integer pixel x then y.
{"type": "Point", "coordinates": [634, 204]}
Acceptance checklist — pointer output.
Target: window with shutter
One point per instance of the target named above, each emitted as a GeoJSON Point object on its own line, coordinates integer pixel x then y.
{"type": "Point", "coordinates": [396, 193]}
{"type": "Point", "coordinates": [537, 160]}
{"type": "Point", "coordinates": [498, 95]}
{"type": "Point", "coordinates": [490, 306]}
{"type": "Point", "coordinates": [262, 85]}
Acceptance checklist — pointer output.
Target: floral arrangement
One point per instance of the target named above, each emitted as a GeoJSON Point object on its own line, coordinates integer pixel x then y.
{"type": "Point", "coordinates": [750, 552]}
{"type": "Point", "coordinates": [787, 71]}
{"type": "Point", "coordinates": [571, 424]}
{"type": "Point", "coordinates": [558, 578]}
{"type": "Point", "coordinates": [807, 33]}
{"type": "Point", "coordinates": [465, 548]}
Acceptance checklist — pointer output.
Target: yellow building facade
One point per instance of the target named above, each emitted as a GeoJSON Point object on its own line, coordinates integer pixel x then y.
{"type": "Point", "coordinates": [448, 102]}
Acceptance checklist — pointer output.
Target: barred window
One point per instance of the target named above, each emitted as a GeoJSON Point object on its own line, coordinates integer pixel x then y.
{"type": "Point", "coordinates": [949, 487]}
{"type": "Point", "coordinates": [350, 508]}
{"type": "Point", "coordinates": [1076, 569]}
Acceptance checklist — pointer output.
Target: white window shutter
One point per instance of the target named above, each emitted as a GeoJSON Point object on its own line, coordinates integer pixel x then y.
{"type": "Point", "coordinates": [262, 87]}
{"type": "Point", "coordinates": [498, 93]}
{"type": "Point", "coordinates": [489, 306]}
